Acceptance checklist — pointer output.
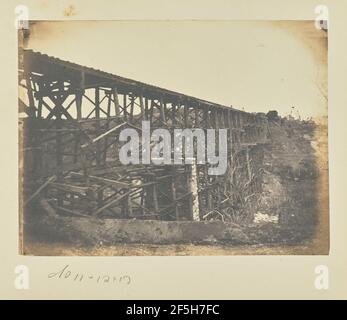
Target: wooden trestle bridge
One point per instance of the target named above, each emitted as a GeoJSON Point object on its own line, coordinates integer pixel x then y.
{"type": "Point", "coordinates": [70, 119]}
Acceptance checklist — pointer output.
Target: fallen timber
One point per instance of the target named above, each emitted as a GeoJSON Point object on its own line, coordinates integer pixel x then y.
{"type": "Point", "coordinates": [73, 115]}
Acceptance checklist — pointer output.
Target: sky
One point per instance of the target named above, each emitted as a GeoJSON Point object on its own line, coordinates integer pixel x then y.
{"type": "Point", "coordinates": [255, 66]}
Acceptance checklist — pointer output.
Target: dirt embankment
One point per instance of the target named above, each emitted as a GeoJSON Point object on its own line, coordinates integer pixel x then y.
{"type": "Point", "coordinates": [295, 184]}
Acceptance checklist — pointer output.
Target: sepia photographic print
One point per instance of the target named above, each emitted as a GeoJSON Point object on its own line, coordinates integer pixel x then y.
{"type": "Point", "coordinates": [173, 138]}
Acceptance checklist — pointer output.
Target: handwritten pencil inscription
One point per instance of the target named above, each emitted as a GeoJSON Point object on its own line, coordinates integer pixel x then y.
{"type": "Point", "coordinates": [67, 273]}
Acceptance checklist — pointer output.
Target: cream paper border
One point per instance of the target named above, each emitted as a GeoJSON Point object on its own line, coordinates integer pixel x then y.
{"type": "Point", "coordinates": [210, 277]}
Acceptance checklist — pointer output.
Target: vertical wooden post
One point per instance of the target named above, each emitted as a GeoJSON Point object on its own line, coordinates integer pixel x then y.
{"type": "Point", "coordinates": [108, 105]}
{"type": "Point", "coordinates": [146, 109]}
{"type": "Point", "coordinates": [78, 98]}
{"type": "Point", "coordinates": [151, 111]}
{"type": "Point", "coordinates": [173, 114]}
{"type": "Point", "coordinates": [30, 91]}
{"type": "Point", "coordinates": [143, 116]}
{"type": "Point", "coordinates": [59, 150]}
{"type": "Point", "coordinates": [173, 191]}
{"type": "Point", "coordinates": [97, 117]}
{"type": "Point", "coordinates": [132, 103]}
{"type": "Point", "coordinates": [188, 184]}
{"type": "Point", "coordinates": [196, 109]}
{"type": "Point", "coordinates": [39, 106]}
{"type": "Point", "coordinates": [185, 115]}
{"type": "Point", "coordinates": [107, 126]}
{"type": "Point", "coordinates": [162, 110]}
{"type": "Point", "coordinates": [125, 112]}
{"type": "Point", "coordinates": [98, 145]}
{"type": "Point", "coordinates": [116, 101]}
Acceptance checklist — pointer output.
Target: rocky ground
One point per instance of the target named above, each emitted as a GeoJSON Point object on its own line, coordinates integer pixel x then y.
{"type": "Point", "coordinates": [296, 182]}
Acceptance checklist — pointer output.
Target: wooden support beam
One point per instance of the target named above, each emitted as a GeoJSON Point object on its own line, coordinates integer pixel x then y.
{"type": "Point", "coordinates": [110, 203]}
{"type": "Point", "coordinates": [97, 116]}
{"type": "Point", "coordinates": [113, 183]}
{"type": "Point", "coordinates": [39, 107]}
{"type": "Point", "coordinates": [196, 116]}
{"type": "Point", "coordinates": [188, 187]}
{"type": "Point", "coordinates": [29, 91]}
{"type": "Point", "coordinates": [103, 135]}
{"type": "Point", "coordinates": [142, 106]}
{"type": "Point", "coordinates": [72, 212]}
{"type": "Point", "coordinates": [116, 101]}
{"type": "Point", "coordinates": [78, 97]}
{"type": "Point", "coordinates": [186, 115]}
{"type": "Point", "coordinates": [162, 110]}
{"type": "Point", "coordinates": [132, 104]}
{"type": "Point", "coordinates": [39, 190]}
{"type": "Point", "coordinates": [109, 102]}
{"type": "Point", "coordinates": [70, 188]}
{"type": "Point", "coordinates": [125, 111]}
{"type": "Point", "coordinates": [146, 109]}
{"type": "Point", "coordinates": [173, 192]}
{"type": "Point", "coordinates": [173, 114]}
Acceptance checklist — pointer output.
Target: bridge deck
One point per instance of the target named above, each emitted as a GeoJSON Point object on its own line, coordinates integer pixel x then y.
{"type": "Point", "coordinates": [85, 77]}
